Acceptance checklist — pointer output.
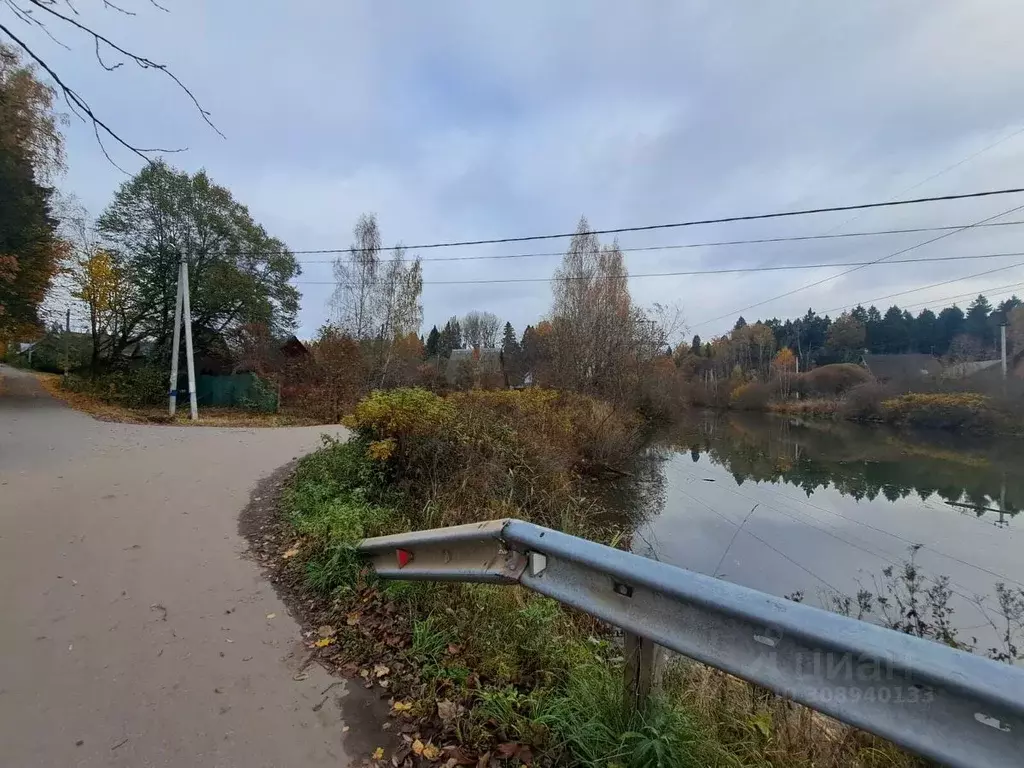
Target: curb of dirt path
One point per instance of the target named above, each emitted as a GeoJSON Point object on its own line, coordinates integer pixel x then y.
{"type": "Point", "coordinates": [364, 711]}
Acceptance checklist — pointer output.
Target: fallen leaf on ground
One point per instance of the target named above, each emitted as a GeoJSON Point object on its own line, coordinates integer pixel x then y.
{"type": "Point", "coordinates": [290, 553]}
{"type": "Point", "coordinates": [454, 649]}
{"type": "Point", "coordinates": [417, 747]}
{"type": "Point", "coordinates": [431, 752]}
{"type": "Point", "coordinates": [509, 749]}
{"type": "Point", "coordinates": [378, 753]}
{"type": "Point", "coordinates": [271, 615]}
{"type": "Point", "coordinates": [352, 619]}
{"type": "Point", "coordinates": [447, 710]}
{"type": "Point", "coordinates": [459, 756]}
{"type": "Point", "coordinates": [323, 642]}
{"type": "Point", "coordinates": [380, 670]}
{"type": "Point", "coordinates": [402, 706]}
{"type": "Point", "coordinates": [326, 631]}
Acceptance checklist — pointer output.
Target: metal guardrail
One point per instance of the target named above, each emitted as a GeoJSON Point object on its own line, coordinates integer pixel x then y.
{"type": "Point", "coordinates": [948, 705]}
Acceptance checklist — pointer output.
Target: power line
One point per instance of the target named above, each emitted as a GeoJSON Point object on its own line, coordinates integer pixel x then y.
{"type": "Point", "coordinates": [1006, 287]}
{"type": "Point", "coordinates": [694, 272]}
{"type": "Point", "coordinates": [858, 267]}
{"type": "Point", "coordinates": [691, 223]}
{"type": "Point", "coordinates": [943, 172]}
{"type": "Point", "coordinates": [925, 288]}
{"type": "Point", "coordinates": [912, 187]}
{"type": "Point", "coordinates": [680, 246]}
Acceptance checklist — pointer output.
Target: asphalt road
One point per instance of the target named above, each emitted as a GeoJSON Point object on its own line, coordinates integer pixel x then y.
{"type": "Point", "coordinates": [132, 631]}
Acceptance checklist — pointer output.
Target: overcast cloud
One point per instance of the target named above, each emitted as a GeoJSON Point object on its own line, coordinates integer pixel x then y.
{"type": "Point", "coordinates": [459, 120]}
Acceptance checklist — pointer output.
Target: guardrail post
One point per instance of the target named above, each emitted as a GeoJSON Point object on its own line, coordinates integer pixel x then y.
{"type": "Point", "coordinates": [641, 656]}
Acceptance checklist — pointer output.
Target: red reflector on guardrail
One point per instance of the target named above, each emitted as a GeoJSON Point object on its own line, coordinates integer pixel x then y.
{"type": "Point", "coordinates": [404, 557]}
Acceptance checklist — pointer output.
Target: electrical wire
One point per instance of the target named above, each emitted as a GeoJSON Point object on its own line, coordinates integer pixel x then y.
{"type": "Point", "coordinates": [967, 294]}
{"type": "Point", "coordinates": [680, 246]}
{"type": "Point", "coordinates": [690, 223]}
{"type": "Point", "coordinates": [923, 288]}
{"type": "Point", "coordinates": [859, 267]}
{"type": "Point", "coordinates": [692, 272]}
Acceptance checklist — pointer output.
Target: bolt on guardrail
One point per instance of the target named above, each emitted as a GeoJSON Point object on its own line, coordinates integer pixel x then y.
{"type": "Point", "coordinates": [945, 704]}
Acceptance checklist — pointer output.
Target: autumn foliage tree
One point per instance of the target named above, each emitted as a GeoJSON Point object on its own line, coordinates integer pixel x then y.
{"type": "Point", "coordinates": [239, 273]}
{"type": "Point", "coordinates": [31, 152]}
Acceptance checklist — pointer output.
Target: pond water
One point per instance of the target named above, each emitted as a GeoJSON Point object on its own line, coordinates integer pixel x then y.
{"type": "Point", "coordinates": [821, 507]}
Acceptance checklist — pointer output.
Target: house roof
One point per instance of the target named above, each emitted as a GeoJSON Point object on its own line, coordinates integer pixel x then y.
{"type": "Point", "coordinates": [909, 366]}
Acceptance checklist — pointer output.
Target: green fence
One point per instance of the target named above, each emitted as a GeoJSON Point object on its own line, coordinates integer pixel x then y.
{"type": "Point", "coordinates": [238, 390]}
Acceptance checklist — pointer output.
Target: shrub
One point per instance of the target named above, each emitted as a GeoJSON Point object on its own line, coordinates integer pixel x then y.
{"type": "Point", "coordinates": [960, 410]}
{"type": "Point", "coordinates": [491, 453]}
{"type": "Point", "coordinates": [864, 402]}
{"type": "Point", "coordinates": [753, 396]}
{"type": "Point", "coordinates": [131, 387]}
{"type": "Point", "coordinates": [832, 380]}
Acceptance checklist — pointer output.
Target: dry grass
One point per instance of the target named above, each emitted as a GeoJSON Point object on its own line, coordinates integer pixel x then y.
{"type": "Point", "coordinates": [208, 417]}
{"type": "Point", "coordinates": [813, 407]}
{"type": "Point", "coordinates": [762, 729]}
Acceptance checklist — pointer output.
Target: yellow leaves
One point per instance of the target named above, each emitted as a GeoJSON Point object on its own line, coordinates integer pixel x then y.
{"type": "Point", "coordinates": [427, 751]}
{"type": "Point", "coordinates": [323, 642]}
{"type": "Point", "coordinates": [431, 752]}
{"type": "Point", "coordinates": [401, 706]}
{"type": "Point", "coordinates": [381, 450]}
{"type": "Point", "coordinates": [290, 553]}
{"type": "Point", "coordinates": [380, 670]}
{"type": "Point", "coordinates": [98, 280]}
{"type": "Point", "coordinates": [378, 753]}
{"type": "Point", "coordinates": [353, 618]}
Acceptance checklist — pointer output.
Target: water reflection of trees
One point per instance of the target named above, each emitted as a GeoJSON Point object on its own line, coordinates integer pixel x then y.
{"type": "Point", "coordinates": [858, 461]}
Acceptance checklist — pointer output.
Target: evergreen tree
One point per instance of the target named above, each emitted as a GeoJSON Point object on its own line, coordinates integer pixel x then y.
{"type": "Point", "coordinates": [740, 323]}
{"type": "Point", "coordinates": [948, 325]}
{"type": "Point", "coordinates": [925, 329]}
{"type": "Point", "coordinates": [1002, 313]}
{"type": "Point", "coordinates": [695, 347]}
{"type": "Point", "coordinates": [451, 338]}
{"type": "Point", "coordinates": [977, 322]}
{"type": "Point", "coordinates": [433, 345]}
{"type": "Point", "coordinates": [509, 342]}
{"type": "Point", "coordinates": [895, 334]}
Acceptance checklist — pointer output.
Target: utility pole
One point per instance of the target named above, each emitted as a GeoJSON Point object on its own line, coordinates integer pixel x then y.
{"type": "Point", "coordinates": [1002, 339]}
{"type": "Point", "coordinates": [172, 403]}
{"type": "Point", "coordinates": [68, 343]}
{"type": "Point", "coordinates": [190, 360]}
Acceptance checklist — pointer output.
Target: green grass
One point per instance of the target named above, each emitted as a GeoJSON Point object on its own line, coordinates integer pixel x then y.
{"type": "Point", "coordinates": [524, 668]}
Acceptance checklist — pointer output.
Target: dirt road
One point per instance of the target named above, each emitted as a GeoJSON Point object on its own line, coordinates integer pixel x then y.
{"type": "Point", "coordinates": [132, 632]}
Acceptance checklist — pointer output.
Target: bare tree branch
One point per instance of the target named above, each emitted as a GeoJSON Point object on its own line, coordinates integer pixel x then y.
{"type": "Point", "coordinates": [108, 4]}
{"type": "Point", "coordinates": [141, 61]}
{"type": "Point", "coordinates": [75, 100]}
{"type": "Point", "coordinates": [103, 63]}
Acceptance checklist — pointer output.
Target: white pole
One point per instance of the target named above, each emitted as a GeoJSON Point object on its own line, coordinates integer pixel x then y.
{"type": "Point", "coordinates": [172, 403]}
{"type": "Point", "coordinates": [188, 347]}
{"type": "Point", "coordinates": [1002, 335]}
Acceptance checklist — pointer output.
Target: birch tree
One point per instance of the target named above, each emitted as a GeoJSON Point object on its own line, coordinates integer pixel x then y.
{"type": "Point", "coordinates": [355, 275]}
{"type": "Point", "coordinates": [480, 329]}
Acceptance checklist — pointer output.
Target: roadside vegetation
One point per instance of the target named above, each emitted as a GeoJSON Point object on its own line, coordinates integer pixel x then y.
{"type": "Point", "coordinates": [100, 399]}
{"type": "Point", "coordinates": [475, 670]}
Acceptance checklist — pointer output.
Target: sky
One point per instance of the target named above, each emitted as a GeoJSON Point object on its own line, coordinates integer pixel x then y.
{"type": "Point", "coordinates": [464, 120]}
